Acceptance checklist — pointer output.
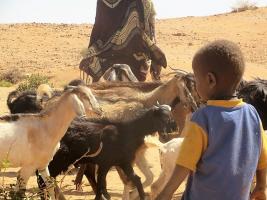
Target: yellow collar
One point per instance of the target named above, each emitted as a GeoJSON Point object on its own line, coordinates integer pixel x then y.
{"type": "Point", "coordinates": [226, 103]}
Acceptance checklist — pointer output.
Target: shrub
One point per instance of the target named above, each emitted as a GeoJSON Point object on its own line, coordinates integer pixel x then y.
{"type": "Point", "coordinates": [32, 82]}
{"type": "Point", "coordinates": [243, 5]}
{"type": "Point", "coordinates": [12, 76]}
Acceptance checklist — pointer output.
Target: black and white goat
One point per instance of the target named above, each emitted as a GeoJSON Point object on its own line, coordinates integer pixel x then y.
{"type": "Point", "coordinates": [120, 142]}
{"type": "Point", "coordinates": [28, 101]}
{"type": "Point", "coordinates": [29, 141]}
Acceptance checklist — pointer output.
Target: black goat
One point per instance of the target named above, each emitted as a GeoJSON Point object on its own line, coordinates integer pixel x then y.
{"type": "Point", "coordinates": [255, 93]}
{"type": "Point", "coordinates": [27, 101]}
{"type": "Point", "coordinates": [120, 142]}
{"type": "Point", "coordinates": [23, 102]}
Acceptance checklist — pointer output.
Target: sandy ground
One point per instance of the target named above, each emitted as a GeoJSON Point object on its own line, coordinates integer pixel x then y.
{"type": "Point", "coordinates": [54, 50]}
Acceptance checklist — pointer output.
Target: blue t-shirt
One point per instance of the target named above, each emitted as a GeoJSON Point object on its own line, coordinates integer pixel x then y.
{"type": "Point", "coordinates": [226, 154]}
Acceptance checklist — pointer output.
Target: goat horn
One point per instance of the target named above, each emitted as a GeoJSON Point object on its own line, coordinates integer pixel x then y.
{"type": "Point", "coordinates": [68, 87]}
{"type": "Point", "coordinates": [97, 152]}
{"type": "Point", "coordinates": [178, 70]}
{"type": "Point", "coordinates": [130, 74]}
{"type": "Point", "coordinates": [166, 107]}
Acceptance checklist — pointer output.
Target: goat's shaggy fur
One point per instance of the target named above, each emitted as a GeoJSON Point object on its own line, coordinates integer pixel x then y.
{"type": "Point", "coordinates": [28, 101]}
{"type": "Point", "coordinates": [255, 93]}
{"type": "Point", "coordinates": [29, 140]}
{"type": "Point", "coordinates": [23, 102]}
{"type": "Point", "coordinates": [120, 141]}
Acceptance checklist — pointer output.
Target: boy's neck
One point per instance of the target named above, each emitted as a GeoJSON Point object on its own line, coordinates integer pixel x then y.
{"type": "Point", "coordinates": [232, 97]}
{"type": "Point", "coordinates": [224, 96]}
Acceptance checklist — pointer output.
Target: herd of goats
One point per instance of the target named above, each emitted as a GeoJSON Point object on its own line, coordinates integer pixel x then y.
{"type": "Point", "coordinates": [102, 125]}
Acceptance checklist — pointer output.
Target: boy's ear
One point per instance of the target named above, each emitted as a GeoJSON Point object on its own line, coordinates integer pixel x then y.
{"type": "Point", "coordinates": [212, 81]}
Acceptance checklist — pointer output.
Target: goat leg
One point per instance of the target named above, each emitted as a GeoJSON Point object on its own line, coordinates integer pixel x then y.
{"type": "Point", "coordinates": [90, 175]}
{"type": "Point", "coordinates": [128, 170]}
{"type": "Point", "coordinates": [22, 179]}
{"type": "Point", "coordinates": [79, 177]}
{"type": "Point", "coordinates": [101, 185]}
{"type": "Point", "coordinates": [143, 165]}
{"type": "Point", "coordinates": [127, 184]}
{"type": "Point", "coordinates": [49, 182]}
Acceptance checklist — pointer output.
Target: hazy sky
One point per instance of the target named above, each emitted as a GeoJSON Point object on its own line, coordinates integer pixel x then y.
{"type": "Point", "coordinates": [83, 11]}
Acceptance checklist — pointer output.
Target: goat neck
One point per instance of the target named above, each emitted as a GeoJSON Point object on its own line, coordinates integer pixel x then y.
{"type": "Point", "coordinates": [143, 125]}
{"type": "Point", "coordinates": [58, 117]}
{"type": "Point", "coordinates": [165, 93]}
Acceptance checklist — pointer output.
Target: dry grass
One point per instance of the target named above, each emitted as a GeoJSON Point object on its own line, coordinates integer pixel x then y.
{"type": "Point", "coordinates": [12, 76]}
{"type": "Point", "coordinates": [243, 5]}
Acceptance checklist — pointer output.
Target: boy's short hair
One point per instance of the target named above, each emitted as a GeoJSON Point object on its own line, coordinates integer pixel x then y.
{"type": "Point", "coordinates": [223, 58]}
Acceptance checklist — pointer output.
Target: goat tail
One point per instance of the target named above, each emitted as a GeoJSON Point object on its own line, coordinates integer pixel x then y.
{"type": "Point", "coordinates": [42, 90]}
{"type": "Point", "coordinates": [10, 99]}
{"type": "Point", "coordinates": [152, 141]}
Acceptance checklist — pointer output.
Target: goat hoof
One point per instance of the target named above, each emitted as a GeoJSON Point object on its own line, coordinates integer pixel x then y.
{"type": "Point", "coordinates": [21, 194]}
{"type": "Point", "coordinates": [145, 197]}
{"type": "Point", "coordinates": [79, 187]}
{"type": "Point", "coordinates": [106, 196]}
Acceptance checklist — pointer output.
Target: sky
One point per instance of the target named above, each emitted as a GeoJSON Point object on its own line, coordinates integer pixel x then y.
{"type": "Point", "coordinates": [83, 11]}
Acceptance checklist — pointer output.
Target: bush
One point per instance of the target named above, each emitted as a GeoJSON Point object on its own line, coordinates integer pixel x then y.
{"type": "Point", "coordinates": [12, 76]}
{"type": "Point", "coordinates": [243, 5]}
{"type": "Point", "coordinates": [32, 82]}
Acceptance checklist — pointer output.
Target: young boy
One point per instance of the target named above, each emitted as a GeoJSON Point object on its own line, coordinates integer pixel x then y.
{"type": "Point", "coordinates": [225, 144]}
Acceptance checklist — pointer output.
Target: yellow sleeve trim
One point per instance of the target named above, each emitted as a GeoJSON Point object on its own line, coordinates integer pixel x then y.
{"type": "Point", "coordinates": [193, 146]}
{"type": "Point", "coordinates": [262, 164]}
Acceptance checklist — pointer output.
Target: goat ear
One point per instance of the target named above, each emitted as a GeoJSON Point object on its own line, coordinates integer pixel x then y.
{"type": "Point", "coordinates": [78, 106]}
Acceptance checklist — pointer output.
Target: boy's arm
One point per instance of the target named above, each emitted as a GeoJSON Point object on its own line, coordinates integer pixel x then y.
{"type": "Point", "coordinates": [178, 176]}
{"type": "Point", "coordinates": [259, 191]}
{"type": "Point", "coordinates": [192, 147]}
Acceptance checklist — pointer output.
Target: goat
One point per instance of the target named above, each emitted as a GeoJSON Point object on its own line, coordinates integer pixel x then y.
{"type": "Point", "coordinates": [255, 93]}
{"type": "Point", "coordinates": [128, 93]}
{"type": "Point", "coordinates": [168, 153]}
{"type": "Point", "coordinates": [23, 102]}
{"type": "Point", "coordinates": [144, 95]}
{"type": "Point", "coordinates": [119, 72]}
{"type": "Point", "coordinates": [127, 98]}
{"type": "Point", "coordinates": [32, 102]}
{"type": "Point", "coordinates": [120, 142]}
{"type": "Point", "coordinates": [30, 140]}
{"type": "Point", "coordinates": [28, 101]}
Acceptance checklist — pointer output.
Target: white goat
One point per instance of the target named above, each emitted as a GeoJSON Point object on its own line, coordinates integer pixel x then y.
{"type": "Point", "coordinates": [29, 141]}
{"type": "Point", "coordinates": [168, 154]}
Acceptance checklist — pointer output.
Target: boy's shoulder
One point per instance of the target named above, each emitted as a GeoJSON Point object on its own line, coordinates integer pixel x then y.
{"type": "Point", "coordinates": [210, 110]}
{"type": "Point", "coordinates": [209, 114]}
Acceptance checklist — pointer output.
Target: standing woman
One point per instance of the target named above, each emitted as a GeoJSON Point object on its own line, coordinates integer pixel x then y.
{"type": "Point", "coordinates": [124, 32]}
